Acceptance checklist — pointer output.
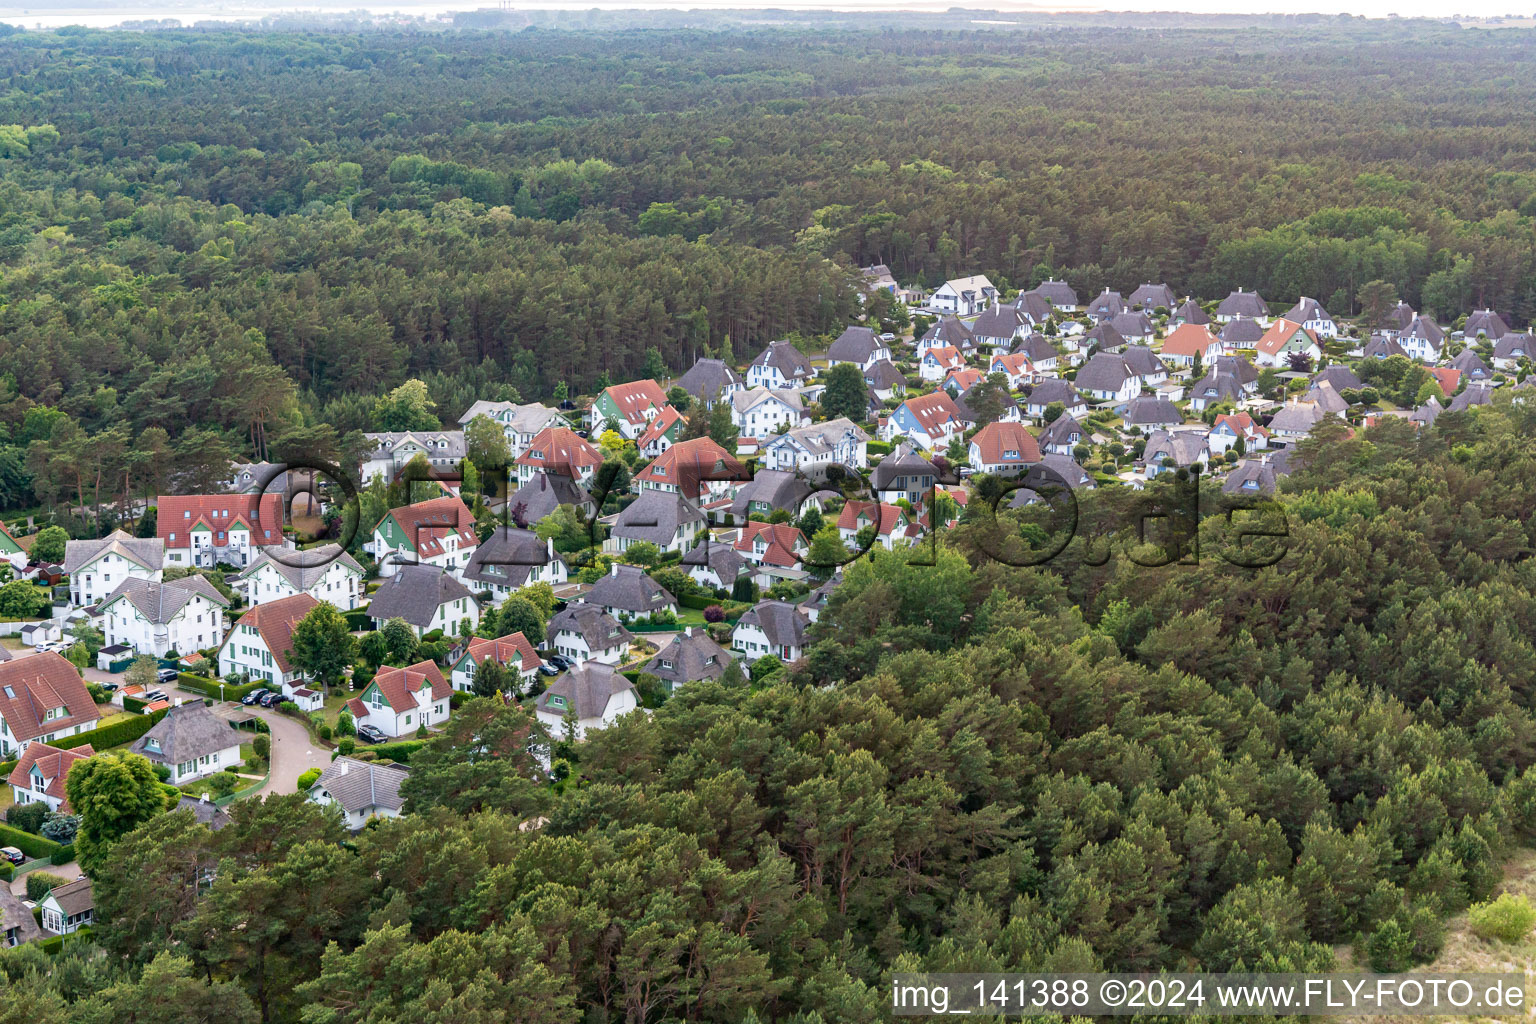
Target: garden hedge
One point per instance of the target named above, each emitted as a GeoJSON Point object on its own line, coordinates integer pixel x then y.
{"type": "Point", "coordinates": [400, 751]}
{"type": "Point", "coordinates": [33, 846]}
{"type": "Point", "coordinates": [112, 735]}
{"type": "Point", "coordinates": [64, 854]}
{"type": "Point", "coordinates": [210, 687]}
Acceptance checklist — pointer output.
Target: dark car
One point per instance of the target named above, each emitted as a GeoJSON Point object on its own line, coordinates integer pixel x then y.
{"type": "Point", "coordinates": [12, 854]}
{"type": "Point", "coordinates": [271, 699]}
{"type": "Point", "coordinates": [252, 697]}
{"type": "Point", "coordinates": [560, 661]}
{"type": "Point", "coordinates": [370, 734]}
{"type": "Point", "coordinates": [109, 687]}
{"type": "Point", "coordinates": [166, 675]}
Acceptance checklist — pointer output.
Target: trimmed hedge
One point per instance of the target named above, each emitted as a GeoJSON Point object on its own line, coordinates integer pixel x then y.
{"type": "Point", "coordinates": [210, 687]}
{"type": "Point", "coordinates": [29, 844]}
{"type": "Point", "coordinates": [6, 767]}
{"type": "Point", "coordinates": [40, 882]}
{"type": "Point", "coordinates": [64, 854]}
{"type": "Point", "coordinates": [51, 946]}
{"type": "Point", "coordinates": [358, 619]}
{"type": "Point", "coordinates": [400, 751]}
{"type": "Point", "coordinates": [698, 602]}
{"type": "Point", "coordinates": [112, 735]}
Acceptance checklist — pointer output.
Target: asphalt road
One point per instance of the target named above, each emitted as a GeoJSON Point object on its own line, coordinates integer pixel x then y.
{"type": "Point", "coordinates": [293, 753]}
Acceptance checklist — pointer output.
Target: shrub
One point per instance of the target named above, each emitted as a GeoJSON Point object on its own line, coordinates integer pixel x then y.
{"type": "Point", "coordinates": [26, 842]}
{"type": "Point", "coordinates": [63, 855]}
{"type": "Point", "coordinates": [261, 746]}
{"type": "Point", "coordinates": [346, 745]}
{"type": "Point", "coordinates": [61, 828]}
{"type": "Point", "coordinates": [714, 613]}
{"type": "Point", "coordinates": [344, 724]}
{"type": "Point", "coordinates": [7, 871]}
{"type": "Point", "coordinates": [421, 731]}
{"type": "Point", "coordinates": [1508, 918]}
{"type": "Point", "coordinates": [39, 882]}
{"type": "Point", "coordinates": [308, 778]}
{"type": "Point", "coordinates": [28, 817]}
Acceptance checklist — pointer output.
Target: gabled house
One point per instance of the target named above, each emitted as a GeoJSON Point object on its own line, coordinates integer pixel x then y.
{"type": "Point", "coordinates": [1241, 332]}
{"type": "Point", "coordinates": [775, 544]}
{"type": "Point", "coordinates": [546, 492]}
{"type": "Point", "coordinates": [1232, 427]}
{"type": "Point", "coordinates": [510, 559]}
{"type": "Point", "coordinates": [401, 700]}
{"type": "Point", "coordinates": [69, 907]}
{"type": "Point", "coordinates": [1033, 308]}
{"type": "Point", "coordinates": [662, 518]}
{"type": "Point", "coordinates": [592, 694]}
{"type": "Point", "coordinates": [1395, 320]}
{"type": "Point", "coordinates": [1471, 365]}
{"type": "Point", "coordinates": [1485, 323]}
{"type": "Point", "coordinates": [1339, 376]}
{"type": "Point", "coordinates": [1058, 293]}
{"type": "Point", "coordinates": [780, 365]}
{"type": "Point", "coordinates": [1383, 347]}
{"type": "Point", "coordinates": [1251, 476]}
{"type": "Point", "coordinates": [1189, 343]}
{"type": "Point", "coordinates": [937, 363]}
{"type": "Point", "coordinates": [959, 381]}
{"type": "Point", "coordinates": [1294, 421]}
{"type": "Point", "coordinates": [1422, 339]}
{"type": "Point", "coordinates": [885, 380]}
{"type": "Point", "coordinates": [710, 381]}
{"type": "Point", "coordinates": [560, 451]}
{"type": "Point", "coordinates": [1108, 377]}
{"type": "Point", "coordinates": [771, 627]}
{"type": "Point", "coordinates": [931, 421]}
{"type": "Point", "coordinates": [689, 657]}
{"type": "Point", "coordinates": [1003, 449]}
{"type": "Point", "coordinates": [770, 491]}
{"type": "Point", "coordinates": [1146, 365]}
{"type": "Point", "coordinates": [17, 925]}
{"type": "Point", "coordinates": [439, 532]}
{"type": "Point", "coordinates": [426, 597]}
{"type": "Point", "coordinates": [1283, 340]}
{"type": "Point", "coordinates": [1190, 312]}
{"type": "Point", "coordinates": [362, 790]}
{"type": "Point", "coordinates": [1106, 305]}
{"type": "Point", "coordinates": [258, 645]}
{"type": "Point", "coordinates": [1151, 296]}
{"type": "Point", "coordinates": [948, 332]}
{"type": "Point", "coordinates": [1016, 368]}
{"type": "Point", "coordinates": [392, 450]}
{"type": "Point", "coordinates": [1310, 314]}
{"type": "Point", "coordinates": [1052, 471]}
{"type": "Point", "coordinates": [96, 567]}
{"type": "Point", "coordinates": [39, 775]}
{"type": "Point", "coordinates": [1041, 354]}
{"type": "Point", "coordinates": [183, 615]}
{"type": "Point", "coordinates": [813, 449]}
{"type": "Point", "coordinates": [627, 592]}
{"type": "Point", "coordinates": [42, 699]}
{"type": "Point", "coordinates": [999, 326]}
{"type": "Point", "coordinates": [858, 345]}
{"type": "Point", "coordinates": [1510, 349]}
{"type": "Point", "coordinates": [1182, 448]}
{"type": "Point", "coordinates": [1150, 413]}
{"type": "Point", "coordinates": [630, 407]}
{"type": "Point", "coordinates": [1135, 328]}
{"type": "Point", "coordinates": [583, 631]}
{"type": "Point", "coordinates": [963, 296]}
{"type": "Point", "coordinates": [904, 474]}
{"type": "Point", "coordinates": [661, 433]}
{"type": "Point", "coordinates": [205, 530]}
{"type": "Point", "coordinates": [326, 573]}
{"type": "Point", "coordinates": [191, 742]}
{"type": "Point", "coordinates": [1061, 435]}
{"type": "Point", "coordinates": [697, 469]}
{"type": "Point", "coordinates": [1473, 394]}
{"type": "Point", "coordinates": [878, 277]}
{"type": "Point", "coordinates": [713, 564]}
{"type": "Point", "coordinates": [1050, 391]}
{"type": "Point", "coordinates": [1426, 414]}
{"type": "Point", "coordinates": [891, 524]}
{"type": "Point", "coordinates": [763, 412]}
{"type": "Point", "coordinates": [1242, 304]}
{"type": "Point", "coordinates": [513, 652]}
{"type": "Point", "coordinates": [521, 423]}
{"type": "Point", "coordinates": [1104, 337]}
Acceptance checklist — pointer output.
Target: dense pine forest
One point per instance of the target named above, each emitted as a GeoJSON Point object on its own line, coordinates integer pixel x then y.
{"type": "Point", "coordinates": [229, 245]}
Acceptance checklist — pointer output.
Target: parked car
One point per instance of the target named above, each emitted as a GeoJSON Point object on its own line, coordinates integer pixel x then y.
{"type": "Point", "coordinates": [546, 669]}
{"type": "Point", "coordinates": [167, 675]}
{"type": "Point", "coordinates": [271, 699]}
{"type": "Point", "coordinates": [154, 695]}
{"type": "Point", "coordinates": [12, 854]}
{"type": "Point", "coordinates": [370, 734]}
{"type": "Point", "coordinates": [109, 687]}
{"type": "Point", "coordinates": [560, 662]}
{"type": "Point", "coordinates": [253, 697]}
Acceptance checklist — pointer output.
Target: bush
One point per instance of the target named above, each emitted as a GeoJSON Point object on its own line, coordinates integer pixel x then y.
{"type": "Point", "coordinates": [714, 613]}
{"type": "Point", "coordinates": [261, 746]}
{"type": "Point", "coordinates": [29, 844]}
{"type": "Point", "coordinates": [400, 752]}
{"type": "Point", "coordinates": [344, 724]}
{"type": "Point", "coordinates": [308, 778]}
{"type": "Point", "coordinates": [63, 855]}
{"type": "Point", "coordinates": [39, 882]}
{"type": "Point", "coordinates": [210, 687]}
{"type": "Point", "coordinates": [61, 828]}
{"type": "Point", "coordinates": [1508, 918]}
{"type": "Point", "coordinates": [421, 731]}
{"type": "Point", "coordinates": [7, 871]}
{"type": "Point", "coordinates": [28, 817]}
{"type": "Point", "coordinates": [346, 745]}
{"type": "Point", "coordinates": [114, 735]}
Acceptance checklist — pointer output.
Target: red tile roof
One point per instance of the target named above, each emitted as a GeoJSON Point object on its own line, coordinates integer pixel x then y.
{"type": "Point", "coordinates": [54, 765]}
{"type": "Point", "coordinates": [660, 425]}
{"type": "Point", "coordinates": [400, 686]}
{"type": "Point", "coordinates": [560, 449]}
{"type": "Point", "coordinates": [177, 514]}
{"type": "Point", "coordinates": [1190, 340]}
{"type": "Point", "coordinates": [935, 412]}
{"type": "Point", "coordinates": [429, 523]}
{"type": "Point", "coordinates": [275, 620]}
{"type": "Point", "coordinates": [785, 544]}
{"type": "Point", "coordinates": [512, 648]}
{"type": "Point", "coordinates": [634, 398]}
{"type": "Point", "coordinates": [690, 465]}
{"type": "Point", "coordinates": [1241, 423]}
{"type": "Point", "coordinates": [1014, 365]}
{"type": "Point", "coordinates": [1280, 332]}
{"type": "Point", "coordinates": [30, 687]}
{"type": "Point", "coordinates": [945, 356]}
{"type": "Point", "coordinates": [995, 439]}
{"type": "Point", "coordinates": [858, 514]}
{"type": "Point", "coordinates": [1448, 377]}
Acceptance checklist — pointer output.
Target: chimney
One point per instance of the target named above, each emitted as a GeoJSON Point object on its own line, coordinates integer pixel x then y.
{"type": "Point", "coordinates": [688, 631]}
{"type": "Point", "coordinates": [345, 764]}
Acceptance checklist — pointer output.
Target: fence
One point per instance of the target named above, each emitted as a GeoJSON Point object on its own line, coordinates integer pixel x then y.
{"type": "Point", "coordinates": [229, 798]}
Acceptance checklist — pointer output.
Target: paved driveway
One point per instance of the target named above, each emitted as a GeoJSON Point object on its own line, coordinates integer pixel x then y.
{"type": "Point", "coordinates": [293, 753]}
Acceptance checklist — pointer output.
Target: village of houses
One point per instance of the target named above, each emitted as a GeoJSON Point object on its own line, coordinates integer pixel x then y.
{"type": "Point", "coordinates": [1111, 391]}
